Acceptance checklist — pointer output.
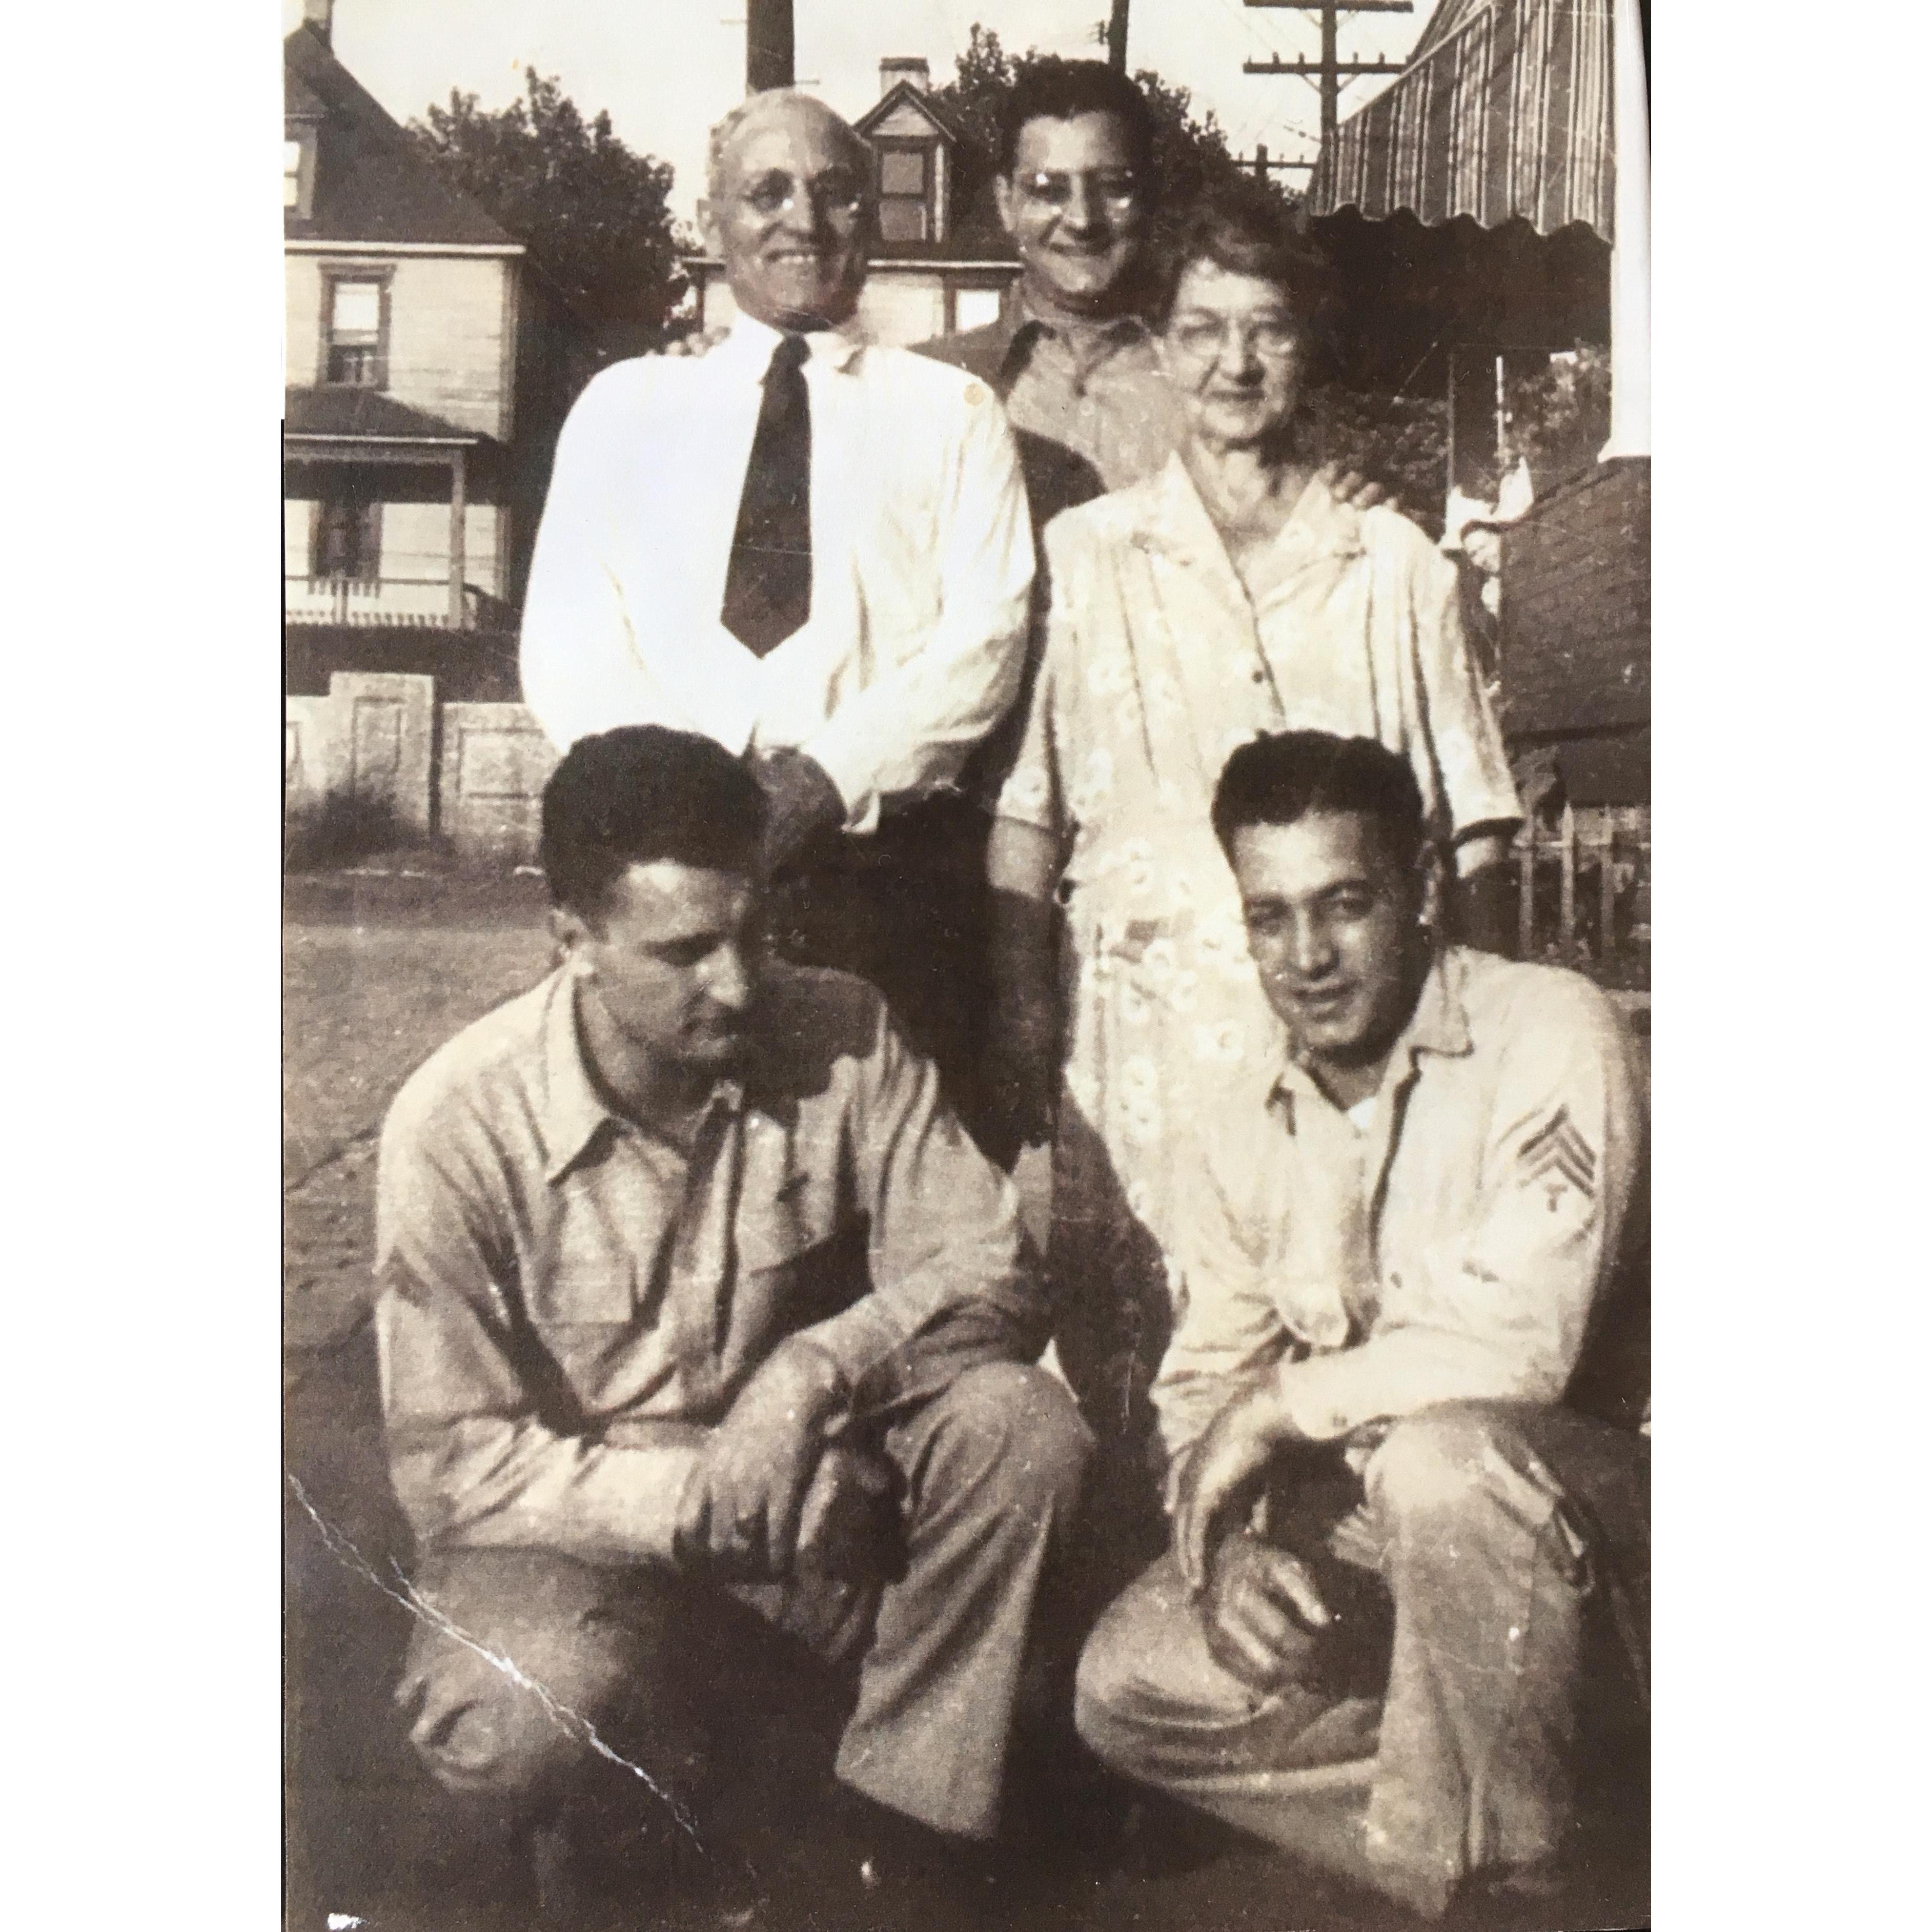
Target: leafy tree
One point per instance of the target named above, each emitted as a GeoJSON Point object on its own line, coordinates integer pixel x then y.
{"type": "Point", "coordinates": [593, 215]}
{"type": "Point", "coordinates": [1191, 153]}
{"type": "Point", "coordinates": [1559, 415]}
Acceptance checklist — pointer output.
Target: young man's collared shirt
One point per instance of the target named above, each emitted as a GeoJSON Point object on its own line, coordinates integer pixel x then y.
{"type": "Point", "coordinates": [922, 562]}
{"type": "Point", "coordinates": [1095, 389]}
{"type": "Point", "coordinates": [1456, 1249]}
{"type": "Point", "coordinates": [568, 1302]}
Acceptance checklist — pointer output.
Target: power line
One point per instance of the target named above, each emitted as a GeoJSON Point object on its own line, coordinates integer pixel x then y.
{"type": "Point", "coordinates": [1330, 68]}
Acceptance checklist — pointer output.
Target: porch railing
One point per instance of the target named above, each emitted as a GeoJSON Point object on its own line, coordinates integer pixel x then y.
{"type": "Point", "coordinates": [1583, 892]}
{"type": "Point", "coordinates": [384, 600]}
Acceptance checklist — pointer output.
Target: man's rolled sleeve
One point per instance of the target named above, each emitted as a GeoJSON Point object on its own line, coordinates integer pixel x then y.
{"type": "Point", "coordinates": [953, 1280]}
{"type": "Point", "coordinates": [912, 730]}
{"type": "Point", "coordinates": [471, 1461]}
{"type": "Point", "coordinates": [1498, 1310]}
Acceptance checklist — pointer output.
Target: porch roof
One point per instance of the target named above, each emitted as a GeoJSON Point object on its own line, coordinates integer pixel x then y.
{"type": "Point", "coordinates": [344, 414]}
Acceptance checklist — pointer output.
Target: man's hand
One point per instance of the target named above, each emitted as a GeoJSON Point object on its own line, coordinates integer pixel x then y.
{"type": "Point", "coordinates": [1351, 487]}
{"type": "Point", "coordinates": [1237, 1448]}
{"type": "Point", "coordinates": [742, 1504]}
{"type": "Point", "coordinates": [801, 803]}
{"type": "Point", "coordinates": [1261, 1605]}
{"type": "Point", "coordinates": [847, 1527]}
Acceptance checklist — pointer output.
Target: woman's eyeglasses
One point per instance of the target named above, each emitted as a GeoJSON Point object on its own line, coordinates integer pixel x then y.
{"type": "Point", "coordinates": [1114, 188]}
{"type": "Point", "coordinates": [1273, 338]}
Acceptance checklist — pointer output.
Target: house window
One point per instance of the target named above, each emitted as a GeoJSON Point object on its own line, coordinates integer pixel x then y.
{"type": "Point", "coordinates": [355, 333]}
{"type": "Point", "coordinates": [298, 173]}
{"type": "Point", "coordinates": [905, 194]}
{"type": "Point", "coordinates": [346, 539]}
{"type": "Point", "coordinates": [974, 308]}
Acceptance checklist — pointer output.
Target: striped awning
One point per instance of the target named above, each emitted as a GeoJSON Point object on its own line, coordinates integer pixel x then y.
{"type": "Point", "coordinates": [1503, 110]}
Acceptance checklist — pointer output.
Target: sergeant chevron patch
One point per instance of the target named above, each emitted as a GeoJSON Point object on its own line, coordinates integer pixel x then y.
{"type": "Point", "coordinates": [1555, 1155]}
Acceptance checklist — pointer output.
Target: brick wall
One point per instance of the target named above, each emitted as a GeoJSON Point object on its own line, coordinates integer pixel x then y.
{"type": "Point", "coordinates": [1576, 606]}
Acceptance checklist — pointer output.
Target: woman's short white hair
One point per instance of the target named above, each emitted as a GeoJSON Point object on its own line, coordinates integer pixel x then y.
{"type": "Point", "coordinates": [755, 106]}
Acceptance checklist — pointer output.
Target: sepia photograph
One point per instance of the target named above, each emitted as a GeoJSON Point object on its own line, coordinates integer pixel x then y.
{"type": "Point", "coordinates": [966, 914]}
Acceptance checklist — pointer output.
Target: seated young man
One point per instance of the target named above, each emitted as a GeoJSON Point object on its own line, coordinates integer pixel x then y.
{"type": "Point", "coordinates": [1397, 1538]}
{"type": "Point", "coordinates": [692, 1287]}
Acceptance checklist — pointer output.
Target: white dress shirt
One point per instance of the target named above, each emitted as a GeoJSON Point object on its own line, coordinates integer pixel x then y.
{"type": "Point", "coordinates": [922, 560]}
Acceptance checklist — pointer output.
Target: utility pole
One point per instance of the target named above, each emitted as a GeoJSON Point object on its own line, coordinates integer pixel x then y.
{"type": "Point", "coordinates": [1330, 68]}
{"type": "Point", "coordinates": [1116, 36]}
{"type": "Point", "coordinates": [769, 59]}
{"type": "Point", "coordinates": [1263, 167]}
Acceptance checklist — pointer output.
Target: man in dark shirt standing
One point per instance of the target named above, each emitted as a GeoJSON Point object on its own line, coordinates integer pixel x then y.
{"type": "Point", "coordinates": [1070, 356]}
{"type": "Point", "coordinates": [693, 1289]}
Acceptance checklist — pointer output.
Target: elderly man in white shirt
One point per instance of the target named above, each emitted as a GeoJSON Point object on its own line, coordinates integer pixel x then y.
{"type": "Point", "coordinates": [815, 550]}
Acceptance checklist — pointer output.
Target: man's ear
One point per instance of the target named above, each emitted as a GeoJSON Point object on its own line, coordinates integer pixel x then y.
{"type": "Point", "coordinates": [1005, 199]}
{"type": "Point", "coordinates": [707, 227]}
{"type": "Point", "coordinates": [1432, 884]}
{"type": "Point", "coordinates": [571, 933]}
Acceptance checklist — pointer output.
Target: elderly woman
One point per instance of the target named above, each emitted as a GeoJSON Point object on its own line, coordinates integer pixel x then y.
{"type": "Point", "coordinates": [1233, 593]}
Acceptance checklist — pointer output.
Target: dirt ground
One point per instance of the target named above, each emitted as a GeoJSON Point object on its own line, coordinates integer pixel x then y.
{"type": "Point", "coordinates": [379, 971]}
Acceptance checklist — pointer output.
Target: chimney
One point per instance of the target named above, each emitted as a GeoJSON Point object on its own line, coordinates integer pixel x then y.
{"type": "Point", "coordinates": [907, 67]}
{"type": "Point", "coordinates": [769, 56]}
{"type": "Point", "coordinates": [319, 14]}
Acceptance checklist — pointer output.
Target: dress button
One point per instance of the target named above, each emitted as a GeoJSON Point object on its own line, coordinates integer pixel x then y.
{"type": "Point", "coordinates": [1259, 676]}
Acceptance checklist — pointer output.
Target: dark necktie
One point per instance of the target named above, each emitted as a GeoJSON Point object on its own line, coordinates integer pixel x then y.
{"type": "Point", "coordinates": [768, 588]}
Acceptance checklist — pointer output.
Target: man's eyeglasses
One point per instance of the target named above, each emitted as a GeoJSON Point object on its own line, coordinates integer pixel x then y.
{"type": "Point", "coordinates": [840, 195]}
{"type": "Point", "coordinates": [1273, 338]}
{"type": "Point", "coordinates": [1115, 188]}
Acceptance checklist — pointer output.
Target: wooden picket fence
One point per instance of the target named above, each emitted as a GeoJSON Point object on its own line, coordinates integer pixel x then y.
{"type": "Point", "coordinates": [1583, 892]}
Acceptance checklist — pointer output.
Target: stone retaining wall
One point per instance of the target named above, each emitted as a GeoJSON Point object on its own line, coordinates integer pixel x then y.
{"type": "Point", "coordinates": [378, 749]}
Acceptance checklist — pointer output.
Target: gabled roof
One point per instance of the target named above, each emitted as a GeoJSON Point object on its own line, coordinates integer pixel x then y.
{"type": "Point", "coordinates": [300, 101]}
{"type": "Point", "coordinates": [371, 183]}
{"type": "Point", "coordinates": [903, 93]}
{"type": "Point", "coordinates": [366, 412]}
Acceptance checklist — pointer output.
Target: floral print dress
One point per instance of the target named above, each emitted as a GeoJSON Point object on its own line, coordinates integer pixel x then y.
{"type": "Point", "coordinates": [1158, 662]}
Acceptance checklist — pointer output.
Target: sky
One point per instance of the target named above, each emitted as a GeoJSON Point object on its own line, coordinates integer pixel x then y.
{"type": "Point", "coordinates": [667, 69]}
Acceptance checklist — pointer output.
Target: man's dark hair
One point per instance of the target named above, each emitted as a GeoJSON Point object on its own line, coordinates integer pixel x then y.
{"type": "Point", "coordinates": [1278, 779]}
{"type": "Point", "coordinates": [625, 797]}
{"type": "Point", "coordinates": [1058, 90]}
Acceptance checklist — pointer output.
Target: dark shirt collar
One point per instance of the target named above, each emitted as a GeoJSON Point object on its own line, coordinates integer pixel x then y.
{"type": "Point", "coordinates": [574, 1112]}
{"type": "Point", "coordinates": [1019, 329]}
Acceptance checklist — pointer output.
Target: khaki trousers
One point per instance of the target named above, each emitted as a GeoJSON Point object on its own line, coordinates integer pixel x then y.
{"type": "Point", "coordinates": [537, 1672]}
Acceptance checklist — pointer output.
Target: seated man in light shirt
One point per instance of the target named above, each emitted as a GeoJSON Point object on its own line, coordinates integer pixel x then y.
{"type": "Point", "coordinates": [698, 1309]}
{"type": "Point", "coordinates": [1409, 1558]}
{"type": "Point", "coordinates": [813, 549]}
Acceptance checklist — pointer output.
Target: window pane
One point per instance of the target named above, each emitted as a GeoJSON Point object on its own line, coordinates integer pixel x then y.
{"type": "Point", "coordinates": [902, 220]}
{"type": "Point", "coordinates": [901, 172]}
{"type": "Point", "coordinates": [974, 308]}
{"type": "Point", "coordinates": [357, 309]}
{"type": "Point", "coordinates": [291, 173]}
{"type": "Point", "coordinates": [352, 365]}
